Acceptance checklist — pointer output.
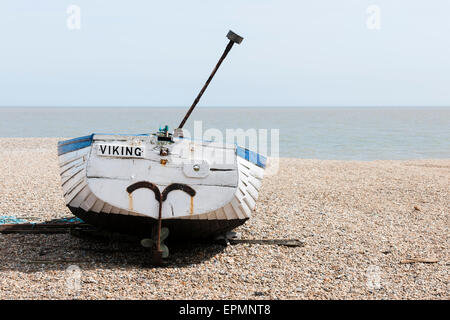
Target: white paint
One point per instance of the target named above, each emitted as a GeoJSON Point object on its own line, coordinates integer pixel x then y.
{"type": "Point", "coordinates": [98, 183]}
{"type": "Point", "coordinates": [196, 169]}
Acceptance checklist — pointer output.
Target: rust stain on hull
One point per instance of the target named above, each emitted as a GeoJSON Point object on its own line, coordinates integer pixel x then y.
{"type": "Point", "coordinates": [130, 202]}
{"type": "Point", "coordinates": [192, 205]}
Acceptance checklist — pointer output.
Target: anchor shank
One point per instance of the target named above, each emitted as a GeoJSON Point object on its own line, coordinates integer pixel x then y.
{"type": "Point", "coordinates": [158, 243]}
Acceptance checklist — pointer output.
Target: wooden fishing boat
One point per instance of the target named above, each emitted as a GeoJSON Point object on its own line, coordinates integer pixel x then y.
{"type": "Point", "coordinates": [138, 183]}
{"type": "Point", "coordinates": [109, 181]}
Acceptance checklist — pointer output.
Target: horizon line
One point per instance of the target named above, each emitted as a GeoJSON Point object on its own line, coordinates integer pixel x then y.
{"type": "Point", "coordinates": [187, 107]}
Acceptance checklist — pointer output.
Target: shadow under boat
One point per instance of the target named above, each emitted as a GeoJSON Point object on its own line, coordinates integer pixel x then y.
{"type": "Point", "coordinates": [89, 246]}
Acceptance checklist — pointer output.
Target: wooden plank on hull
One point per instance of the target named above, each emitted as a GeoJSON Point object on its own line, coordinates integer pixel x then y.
{"type": "Point", "coordinates": [250, 203]}
{"type": "Point", "coordinates": [71, 156]}
{"type": "Point", "coordinates": [70, 165]}
{"type": "Point", "coordinates": [257, 172]}
{"type": "Point", "coordinates": [72, 193]}
{"type": "Point", "coordinates": [248, 191]}
{"type": "Point", "coordinates": [74, 181]}
{"type": "Point", "coordinates": [244, 180]}
{"type": "Point", "coordinates": [230, 213]}
{"type": "Point", "coordinates": [80, 197]}
{"type": "Point", "coordinates": [243, 165]}
{"type": "Point", "coordinates": [252, 191]}
{"type": "Point", "coordinates": [220, 214]}
{"type": "Point", "coordinates": [115, 210]}
{"type": "Point", "coordinates": [244, 196]}
{"type": "Point", "coordinates": [254, 170]}
{"type": "Point", "coordinates": [245, 208]}
{"type": "Point", "coordinates": [255, 182]}
{"type": "Point", "coordinates": [107, 208]}
{"type": "Point", "coordinates": [98, 206]}
{"type": "Point", "coordinates": [203, 216]}
{"type": "Point", "coordinates": [212, 215]}
{"type": "Point", "coordinates": [71, 173]}
{"type": "Point", "coordinates": [238, 208]}
{"type": "Point", "coordinates": [243, 170]}
{"type": "Point", "coordinates": [241, 192]}
{"type": "Point", "coordinates": [89, 202]}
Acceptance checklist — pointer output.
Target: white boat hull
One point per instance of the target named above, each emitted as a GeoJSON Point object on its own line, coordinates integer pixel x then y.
{"type": "Point", "coordinates": [96, 184]}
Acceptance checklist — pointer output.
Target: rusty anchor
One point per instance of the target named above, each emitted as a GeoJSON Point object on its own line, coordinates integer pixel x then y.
{"type": "Point", "coordinates": [162, 251]}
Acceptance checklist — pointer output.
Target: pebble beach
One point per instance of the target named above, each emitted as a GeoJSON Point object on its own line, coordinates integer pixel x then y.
{"type": "Point", "coordinates": [370, 230]}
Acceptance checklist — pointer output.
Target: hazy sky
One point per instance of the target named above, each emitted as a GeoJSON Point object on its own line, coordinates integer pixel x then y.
{"type": "Point", "coordinates": [159, 53]}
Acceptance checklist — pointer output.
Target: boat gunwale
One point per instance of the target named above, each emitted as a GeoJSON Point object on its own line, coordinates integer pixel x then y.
{"type": "Point", "coordinates": [86, 141]}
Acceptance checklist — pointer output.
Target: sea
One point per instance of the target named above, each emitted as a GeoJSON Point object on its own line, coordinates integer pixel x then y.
{"type": "Point", "coordinates": [342, 133]}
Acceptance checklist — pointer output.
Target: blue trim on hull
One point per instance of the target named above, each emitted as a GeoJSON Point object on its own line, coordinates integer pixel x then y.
{"type": "Point", "coordinates": [251, 156]}
{"type": "Point", "coordinates": [86, 141]}
{"type": "Point", "coordinates": [74, 144]}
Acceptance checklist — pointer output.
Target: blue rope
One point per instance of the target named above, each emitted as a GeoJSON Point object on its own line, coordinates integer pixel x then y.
{"type": "Point", "coordinates": [66, 220]}
{"type": "Point", "coordinates": [11, 220]}
{"type": "Point", "coordinates": [14, 220]}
